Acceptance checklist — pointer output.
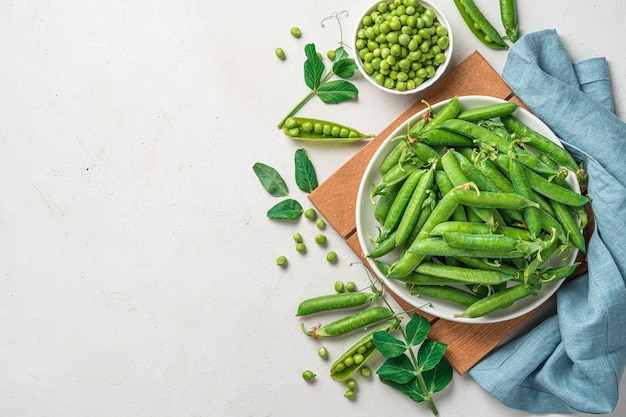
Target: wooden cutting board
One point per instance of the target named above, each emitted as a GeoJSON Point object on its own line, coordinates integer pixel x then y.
{"type": "Point", "coordinates": [335, 199]}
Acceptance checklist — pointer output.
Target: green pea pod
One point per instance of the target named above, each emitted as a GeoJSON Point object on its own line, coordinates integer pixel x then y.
{"type": "Point", "coordinates": [508, 15]}
{"type": "Point", "coordinates": [449, 111]}
{"type": "Point", "coordinates": [498, 300]}
{"type": "Point", "coordinates": [394, 157]}
{"type": "Point", "coordinates": [398, 173]}
{"type": "Point", "coordinates": [479, 25]}
{"type": "Point", "coordinates": [442, 137]}
{"type": "Point", "coordinates": [334, 302]}
{"type": "Point", "coordinates": [356, 321]}
{"type": "Point", "coordinates": [462, 274]}
{"type": "Point", "coordinates": [486, 199]}
{"type": "Point", "coordinates": [565, 217]}
{"type": "Point", "coordinates": [414, 278]}
{"type": "Point", "coordinates": [554, 191]}
{"type": "Point", "coordinates": [480, 241]}
{"type": "Point", "coordinates": [414, 207]}
{"type": "Point", "coordinates": [541, 143]}
{"type": "Point", "coordinates": [434, 246]}
{"type": "Point", "coordinates": [301, 128]}
{"type": "Point", "coordinates": [400, 203]}
{"type": "Point", "coordinates": [384, 247]}
{"type": "Point", "coordinates": [552, 274]}
{"type": "Point", "coordinates": [445, 293]}
{"type": "Point", "coordinates": [487, 112]}
{"type": "Point", "coordinates": [384, 202]}
{"type": "Point", "coordinates": [357, 355]}
{"type": "Point", "coordinates": [520, 182]}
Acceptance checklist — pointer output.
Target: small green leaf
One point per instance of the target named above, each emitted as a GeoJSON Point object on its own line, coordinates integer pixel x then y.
{"type": "Point", "coordinates": [399, 369]}
{"type": "Point", "coordinates": [271, 180]}
{"type": "Point", "coordinates": [429, 354]}
{"type": "Point", "coordinates": [337, 91]}
{"type": "Point", "coordinates": [439, 377]}
{"type": "Point", "coordinates": [288, 209]}
{"type": "Point", "coordinates": [344, 68]}
{"type": "Point", "coordinates": [387, 345]}
{"type": "Point", "coordinates": [306, 179]}
{"type": "Point", "coordinates": [411, 389]}
{"type": "Point", "coordinates": [340, 54]}
{"type": "Point", "coordinates": [313, 67]}
{"type": "Point", "coordinates": [416, 330]}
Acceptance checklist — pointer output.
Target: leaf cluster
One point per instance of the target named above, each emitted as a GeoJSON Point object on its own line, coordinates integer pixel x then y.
{"type": "Point", "coordinates": [273, 182]}
{"type": "Point", "coordinates": [417, 376]}
{"type": "Point", "coordinates": [317, 78]}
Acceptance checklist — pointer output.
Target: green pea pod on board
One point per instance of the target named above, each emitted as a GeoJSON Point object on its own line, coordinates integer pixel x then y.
{"type": "Point", "coordinates": [301, 128]}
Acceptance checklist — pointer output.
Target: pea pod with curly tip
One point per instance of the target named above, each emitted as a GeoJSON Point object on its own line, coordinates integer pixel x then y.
{"type": "Point", "coordinates": [301, 128]}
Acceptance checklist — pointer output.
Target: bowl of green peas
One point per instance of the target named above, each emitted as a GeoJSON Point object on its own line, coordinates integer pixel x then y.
{"type": "Point", "coordinates": [472, 211]}
{"type": "Point", "coordinates": [403, 46]}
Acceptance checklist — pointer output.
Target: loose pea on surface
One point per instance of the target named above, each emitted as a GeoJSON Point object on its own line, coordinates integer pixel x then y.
{"type": "Point", "coordinates": [295, 32]}
{"type": "Point", "coordinates": [331, 54]}
{"type": "Point", "coordinates": [349, 394]}
{"type": "Point", "coordinates": [297, 237]}
{"type": "Point", "coordinates": [301, 247]}
{"type": "Point", "coordinates": [331, 256]}
{"type": "Point", "coordinates": [340, 286]}
{"type": "Point", "coordinates": [322, 352]}
{"type": "Point", "coordinates": [308, 375]}
{"type": "Point", "coordinates": [321, 224]}
{"type": "Point", "coordinates": [320, 239]}
{"type": "Point", "coordinates": [366, 372]}
{"type": "Point", "coordinates": [350, 286]}
{"type": "Point", "coordinates": [352, 384]}
{"type": "Point", "coordinates": [310, 213]}
{"type": "Point", "coordinates": [280, 53]}
{"type": "Point", "coordinates": [281, 260]}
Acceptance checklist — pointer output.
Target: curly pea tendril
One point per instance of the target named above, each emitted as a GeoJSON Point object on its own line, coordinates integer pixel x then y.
{"type": "Point", "coordinates": [337, 16]}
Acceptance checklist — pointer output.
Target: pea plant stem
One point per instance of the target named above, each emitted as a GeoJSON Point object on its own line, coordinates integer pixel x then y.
{"type": "Point", "coordinates": [303, 101]}
{"type": "Point", "coordinates": [420, 377]}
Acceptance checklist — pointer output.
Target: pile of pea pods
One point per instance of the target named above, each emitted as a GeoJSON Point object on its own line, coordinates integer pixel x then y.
{"type": "Point", "coordinates": [477, 202]}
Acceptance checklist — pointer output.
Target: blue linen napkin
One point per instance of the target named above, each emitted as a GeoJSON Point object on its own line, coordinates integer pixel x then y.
{"type": "Point", "coordinates": [572, 362]}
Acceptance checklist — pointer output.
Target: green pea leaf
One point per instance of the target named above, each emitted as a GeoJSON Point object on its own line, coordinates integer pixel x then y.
{"type": "Point", "coordinates": [340, 54]}
{"type": "Point", "coordinates": [306, 179]}
{"type": "Point", "coordinates": [345, 68]}
{"type": "Point", "coordinates": [416, 330]}
{"type": "Point", "coordinates": [439, 377]}
{"type": "Point", "coordinates": [337, 91]}
{"type": "Point", "coordinates": [313, 67]}
{"type": "Point", "coordinates": [399, 369]}
{"type": "Point", "coordinates": [429, 354]}
{"type": "Point", "coordinates": [270, 179]}
{"type": "Point", "coordinates": [288, 209]}
{"type": "Point", "coordinates": [411, 389]}
{"type": "Point", "coordinates": [387, 345]}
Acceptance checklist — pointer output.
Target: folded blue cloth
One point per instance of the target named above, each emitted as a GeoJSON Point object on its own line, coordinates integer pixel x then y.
{"type": "Point", "coordinates": [572, 362]}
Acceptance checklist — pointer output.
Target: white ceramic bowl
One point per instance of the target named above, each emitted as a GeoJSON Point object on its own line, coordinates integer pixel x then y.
{"type": "Point", "coordinates": [440, 70]}
{"type": "Point", "coordinates": [367, 226]}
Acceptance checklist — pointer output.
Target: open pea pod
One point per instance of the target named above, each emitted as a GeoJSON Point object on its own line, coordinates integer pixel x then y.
{"type": "Point", "coordinates": [316, 130]}
{"type": "Point", "coordinates": [357, 355]}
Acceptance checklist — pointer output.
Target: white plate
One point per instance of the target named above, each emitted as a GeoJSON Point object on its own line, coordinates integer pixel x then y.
{"type": "Point", "coordinates": [367, 226]}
